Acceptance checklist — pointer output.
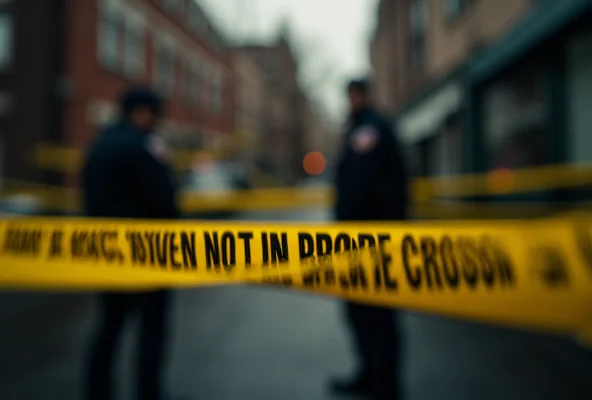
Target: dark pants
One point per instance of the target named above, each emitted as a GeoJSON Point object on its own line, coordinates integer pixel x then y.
{"type": "Point", "coordinates": [377, 342]}
{"type": "Point", "coordinates": [115, 310]}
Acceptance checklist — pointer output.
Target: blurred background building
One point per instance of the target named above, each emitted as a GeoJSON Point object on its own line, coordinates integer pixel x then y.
{"type": "Point", "coordinates": [477, 85]}
{"type": "Point", "coordinates": [249, 98]}
{"type": "Point", "coordinates": [283, 129]}
{"type": "Point", "coordinates": [79, 54]}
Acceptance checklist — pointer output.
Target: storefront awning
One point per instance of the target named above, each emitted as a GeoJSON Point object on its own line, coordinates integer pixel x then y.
{"type": "Point", "coordinates": [426, 118]}
{"type": "Point", "coordinates": [547, 18]}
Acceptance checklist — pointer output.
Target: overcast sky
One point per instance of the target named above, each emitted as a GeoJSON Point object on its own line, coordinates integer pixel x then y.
{"type": "Point", "coordinates": [333, 36]}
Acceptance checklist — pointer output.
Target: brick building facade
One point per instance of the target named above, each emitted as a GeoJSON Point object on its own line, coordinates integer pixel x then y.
{"type": "Point", "coordinates": [478, 85]}
{"type": "Point", "coordinates": [284, 128]}
{"type": "Point", "coordinates": [418, 52]}
{"type": "Point", "coordinates": [249, 98]}
{"type": "Point", "coordinates": [70, 59]}
{"type": "Point", "coordinates": [419, 42]}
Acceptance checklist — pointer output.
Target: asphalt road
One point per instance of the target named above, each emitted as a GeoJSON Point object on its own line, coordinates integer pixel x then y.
{"type": "Point", "coordinates": [269, 344]}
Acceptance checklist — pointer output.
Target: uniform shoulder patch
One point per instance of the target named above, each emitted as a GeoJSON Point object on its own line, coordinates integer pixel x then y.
{"type": "Point", "coordinates": [157, 147]}
{"type": "Point", "coordinates": [364, 139]}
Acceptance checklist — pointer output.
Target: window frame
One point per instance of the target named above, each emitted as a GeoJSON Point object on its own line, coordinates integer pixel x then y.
{"type": "Point", "coordinates": [110, 22]}
{"type": "Point", "coordinates": [191, 83]}
{"type": "Point", "coordinates": [162, 81]}
{"type": "Point", "coordinates": [7, 63]}
{"type": "Point", "coordinates": [134, 65]}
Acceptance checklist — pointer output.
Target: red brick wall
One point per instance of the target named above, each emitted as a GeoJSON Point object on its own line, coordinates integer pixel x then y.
{"type": "Point", "coordinates": [92, 81]}
{"type": "Point", "coordinates": [448, 43]}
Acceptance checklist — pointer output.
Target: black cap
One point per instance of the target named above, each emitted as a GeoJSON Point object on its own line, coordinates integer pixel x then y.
{"type": "Point", "coordinates": [362, 85]}
{"type": "Point", "coordinates": [140, 96]}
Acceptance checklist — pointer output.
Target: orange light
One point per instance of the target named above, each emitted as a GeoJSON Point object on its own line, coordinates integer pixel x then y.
{"type": "Point", "coordinates": [314, 163]}
{"type": "Point", "coordinates": [501, 180]}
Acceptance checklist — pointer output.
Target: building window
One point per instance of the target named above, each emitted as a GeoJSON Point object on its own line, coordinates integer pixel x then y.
{"type": "Point", "coordinates": [419, 28]}
{"type": "Point", "coordinates": [133, 54]}
{"type": "Point", "coordinates": [191, 84]}
{"type": "Point", "coordinates": [217, 89]}
{"type": "Point", "coordinates": [109, 33]}
{"type": "Point", "coordinates": [165, 69]}
{"type": "Point", "coordinates": [454, 8]}
{"type": "Point", "coordinates": [516, 119]}
{"type": "Point", "coordinates": [6, 40]}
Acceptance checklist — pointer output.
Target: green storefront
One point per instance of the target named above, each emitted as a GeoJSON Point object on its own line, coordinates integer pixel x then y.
{"type": "Point", "coordinates": [522, 101]}
{"type": "Point", "coordinates": [527, 95]}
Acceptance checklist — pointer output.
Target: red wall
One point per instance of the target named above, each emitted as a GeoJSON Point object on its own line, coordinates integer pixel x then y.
{"type": "Point", "coordinates": [91, 80]}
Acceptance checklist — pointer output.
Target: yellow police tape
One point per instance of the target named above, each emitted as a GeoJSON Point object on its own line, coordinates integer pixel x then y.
{"type": "Point", "coordinates": [67, 200]}
{"type": "Point", "coordinates": [534, 274]}
{"type": "Point", "coordinates": [498, 182]}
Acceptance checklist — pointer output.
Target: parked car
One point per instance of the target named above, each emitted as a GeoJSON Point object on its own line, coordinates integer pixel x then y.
{"type": "Point", "coordinates": [215, 183]}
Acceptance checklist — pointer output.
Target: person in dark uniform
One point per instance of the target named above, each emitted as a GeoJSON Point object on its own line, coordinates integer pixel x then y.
{"type": "Point", "coordinates": [126, 176]}
{"type": "Point", "coordinates": [371, 185]}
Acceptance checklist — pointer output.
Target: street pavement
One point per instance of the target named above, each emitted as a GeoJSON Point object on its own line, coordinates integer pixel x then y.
{"type": "Point", "coordinates": [271, 344]}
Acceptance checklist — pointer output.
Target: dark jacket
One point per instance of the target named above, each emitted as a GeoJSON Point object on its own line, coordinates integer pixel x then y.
{"type": "Point", "coordinates": [123, 179]}
{"type": "Point", "coordinates": [371, 176]}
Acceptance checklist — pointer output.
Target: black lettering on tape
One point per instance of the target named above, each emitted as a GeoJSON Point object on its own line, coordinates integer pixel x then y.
{"type": "Point", "coordinates": [412, 272]}
{"type": "Point", "coordinates": [505, 267]}
{"type": "Point", "coordinates": [354, 278]}
{"type": "Point", "coordinates": [487, 266]}
{"type": "Point", "coordinates": [137, 248]}
{"type": "Point", "coordinates": [148, 240]}
{"type": "Point", "coordinates": [324, 278]}
{"type": "Point", "coordinates": [330, 278]}
{"type": "Point", "coordinates": [324, 244]}
{"type": "Point", "coordinates": [305, 245]}
{"type": "Point", "coordinates": [165, 249]}
{"type": "Point", "coordinates": [311, 279]}
{"type": "Point", "coordinates": [23, 241]}
{"type": "Point", "coordinates": [212, 247]}
{"type": "Point", "coordinates": [377, 276]}
{"type": "Point", "coordinates": [95, 245]}
{"type": "Point", "coordinates": [365, 240]}
{"type": "Point", "coordinates": [228, 250]}
{"type": "Point", "coordinates": [246, 237]}
{"type": "Point", "coordinates": [56, 244]}
{"type": "Point", "coordinates": [173, 250]}
{"type": "Point", "coordinates": [449, 264]}
{"type": "Point", "coordinates": [389, 281]}
{"type": "Point", "coordinates": [342, 243]}
{"type": "Point", "coordinates": [430, 265]}
{"type": "Point", "coordinates": [264, 248]}
{"type": "Point", "coordinates": [220, 251]}
{"type": "Point", "coordinates": [470, 260]}
{"type": "Point", "coordinates": [386, 259]}
{"type": "Point", "coordinates": [279, 247]}
{"type": "Point", "coordinates": [162, 248]}
{"type": "Point", "coordinates": [189, 250]}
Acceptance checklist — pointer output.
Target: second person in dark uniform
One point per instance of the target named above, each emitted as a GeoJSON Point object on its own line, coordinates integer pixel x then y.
{"type": "Point", "coordinates": [371, 186]}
